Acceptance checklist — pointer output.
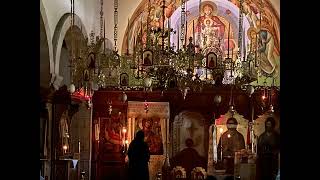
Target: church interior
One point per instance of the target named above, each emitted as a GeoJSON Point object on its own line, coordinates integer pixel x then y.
{"type": "Point", "coordinates": [200, 79]}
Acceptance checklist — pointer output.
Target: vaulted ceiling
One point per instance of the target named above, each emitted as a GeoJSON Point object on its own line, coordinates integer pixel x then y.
{"type": "Point", "coordinates": [127, 9]}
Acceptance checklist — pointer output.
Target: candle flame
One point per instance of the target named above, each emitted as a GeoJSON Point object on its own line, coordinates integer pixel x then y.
{"type": "Point", "coordinates": [221, 130]}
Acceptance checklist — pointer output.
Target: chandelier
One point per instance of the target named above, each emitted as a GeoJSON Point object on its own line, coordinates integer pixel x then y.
{"type": "Point", "coordinates": [155, 63]}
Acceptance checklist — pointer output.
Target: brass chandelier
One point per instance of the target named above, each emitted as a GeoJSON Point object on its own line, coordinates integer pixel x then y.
{"type": "Point", "coordinates": [155, 64]}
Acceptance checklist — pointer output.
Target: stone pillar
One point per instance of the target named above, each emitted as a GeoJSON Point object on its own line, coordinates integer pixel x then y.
{"type": "Point", "coordinates": [47, 142]}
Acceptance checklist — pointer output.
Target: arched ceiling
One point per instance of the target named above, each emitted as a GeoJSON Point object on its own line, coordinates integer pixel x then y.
{"type": "Point", "coordinates": [89, 14]}
{"type": "Point", "coordinates": [260, 19]}
{"type": "Point", "coordinates": [88, 11]}
{"type": "Point", "coordinates": [128, 8]}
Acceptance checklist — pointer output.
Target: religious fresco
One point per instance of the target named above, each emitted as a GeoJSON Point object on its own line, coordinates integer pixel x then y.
{"type": "Point", "coordinates": [263, 34]}
{"type": "Point", "coordinates": [264, 31]}
{"type": "Point", "coordinates": [189, 125]}
{"type": "Point", "coordinates": [112, 136]}
{"type": "Point", "coordinates": [153, 124]}
{"type": "Point", "coordinates": [152, 130]}
{"type": "Point", "coordinates": [210, 28]}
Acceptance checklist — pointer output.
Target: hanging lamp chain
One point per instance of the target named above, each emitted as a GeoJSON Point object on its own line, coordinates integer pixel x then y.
{"type": "Point", "coordinates": [101, 19]}
{"type": "Point", "coordinates": [115, 34]}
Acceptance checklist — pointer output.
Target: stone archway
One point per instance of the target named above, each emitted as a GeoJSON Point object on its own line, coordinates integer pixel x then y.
{"type": "Point", "coordinates": [46, 49]}
{"type": "Point", "coordinates": [73, 41]}
{"type": "Point", "coordinates": [44, 57]}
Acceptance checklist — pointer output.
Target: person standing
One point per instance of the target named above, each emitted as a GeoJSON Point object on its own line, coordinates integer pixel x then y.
{"type": "Point", "coordinates": [139, 155]}
{"type": "Point", "coordinates": [230, 142]}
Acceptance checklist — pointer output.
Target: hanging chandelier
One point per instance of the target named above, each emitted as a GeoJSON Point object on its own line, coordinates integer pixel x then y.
{"type": "Point", "coordinates": [154, 63]}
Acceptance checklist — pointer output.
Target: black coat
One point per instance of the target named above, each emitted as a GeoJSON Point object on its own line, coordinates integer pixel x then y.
{"type": "Point", "coordinates": [139, 155]}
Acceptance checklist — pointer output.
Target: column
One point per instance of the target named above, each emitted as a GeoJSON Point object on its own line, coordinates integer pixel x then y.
{"type": "Point", "coordinates": [129, 130]}
{"type": "Point", "coordinates": [47, 145]}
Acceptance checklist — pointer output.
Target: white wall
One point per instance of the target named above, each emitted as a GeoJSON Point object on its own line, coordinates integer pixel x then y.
{"type": "Point", "coordinates": [85, 9]}
{"type": "Point", "coordinates": [125, 11]}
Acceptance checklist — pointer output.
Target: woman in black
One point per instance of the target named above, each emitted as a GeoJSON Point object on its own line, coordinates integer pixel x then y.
{"type": "Point", "coordinates": [139, 155]}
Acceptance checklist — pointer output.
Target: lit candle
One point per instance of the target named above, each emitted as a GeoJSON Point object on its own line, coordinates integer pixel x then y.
{"type": "Point", "coordinates": [126, 145]}
{"type": "Point", "coordinates": [124, 130]}
{"type": "Point", "coordinates": [229, 135]}
{"type": "Point", "coordinates": [79, 147]}
{"type": "Point", "coordinates": [214, 139]}
{"type": "Point", "coordinates": [221, 130]}
{"type": "Point", "coordinates": [65, 147]}
{"type": "Point", "coordinates": [120, 135]}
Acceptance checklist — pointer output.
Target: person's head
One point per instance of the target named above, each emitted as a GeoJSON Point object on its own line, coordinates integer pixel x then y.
{"type": "Point", "coordinates": [140, 136]}
{"type": "Point", "coordinates": [232, 123]}
{"type": "Point", "coordinates": [270, 124]}
{"type": "Point", "coordinates": [207, 9]}
{"type": "Point", "coordinates": [263, 34]}
{"type": "Point", "coordinates": [147, 123]}
{"type": "Point", "coordinates": [189, 142]}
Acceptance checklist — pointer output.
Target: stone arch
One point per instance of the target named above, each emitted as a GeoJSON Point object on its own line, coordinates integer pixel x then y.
{"type": "Point", "coordinates": [46, 30]}
{"type": "Point", "coordinates": [59, 35]}
{"type": "Point", "coordinates": [73, 40]}
{"type": "Point", "coordinates": [44, 57]}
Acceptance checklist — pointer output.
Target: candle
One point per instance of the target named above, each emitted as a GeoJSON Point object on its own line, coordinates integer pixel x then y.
{"type": "Point", "coordinates": [79, 147]}
{"type": "Point", "coordinates": [252, 138]}
{"type": "Point", "coordinates": [221, 130]}
{"type": "Point", "coordinates": [214, 139]}
{"type": "Point", "coordinates": [65, 147]}
{"type": "Point", "coordinates": [126, 145]}
{"type": "Point", "coordinates": [120, 135]}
